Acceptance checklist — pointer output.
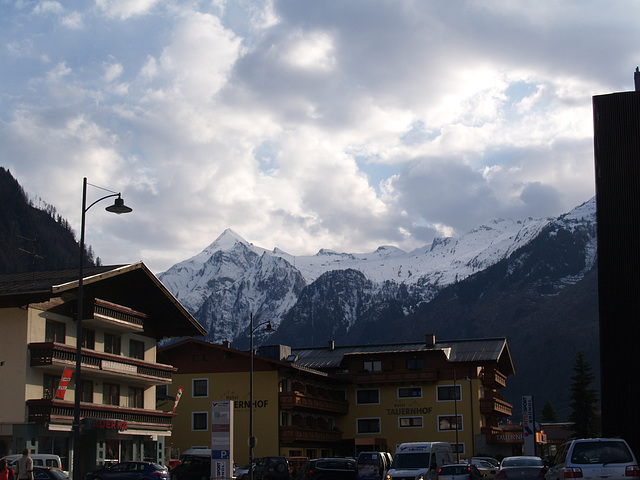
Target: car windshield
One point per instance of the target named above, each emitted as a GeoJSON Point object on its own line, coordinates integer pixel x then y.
{"type": "Point", "coordinates": [410, 460]}
{"type": "Point", "coordinates": [336, 464]}
{"type": "Point", "coordinates": [585, 453]}
{"type": "Point", "coordinates": [454, 470]}
{"type": "Point", "coordinates": [522, 462]}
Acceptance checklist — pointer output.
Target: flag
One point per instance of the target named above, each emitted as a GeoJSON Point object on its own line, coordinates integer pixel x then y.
{"type": "Point", "coordinates": [178, 395]}
{"type": "Point", "coordinates": [64, 382]}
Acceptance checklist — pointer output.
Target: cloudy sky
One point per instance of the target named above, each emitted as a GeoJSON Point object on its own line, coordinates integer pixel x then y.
{"type": "Point", "coordinates": [305, 124]}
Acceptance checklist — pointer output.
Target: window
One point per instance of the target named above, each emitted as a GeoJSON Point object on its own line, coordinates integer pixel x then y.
{"type": "Point", "coordinates": [88, 339]}
{"type": "Point", "coordinates": [448, 393]}
{"type": "Point", "coordinates": [87, 391]}
{"type": "Point", "coordinates": [415, 363]}
{"type": "Point", "coordinates": [410, 392]}
{"type": "Point", "coordinates": [410, 422]}
{"type": "Point", "coordinates": [111, 394]}
{"type": "Point", "coordinates": [368, 425]}
{"type": "Point", "coordinates": [200, 387]}
{"type": "Point", "coordinates": [448, 422]}
{"type": "Point", "coordinates": [199, 421]}
{"type": "Point", "coordinates": [136, 397]}
{"type": "Point", "coordinates": [368, 396]}
{"type": "Point", "coordinates": [136, 349]}
{"type": "Point", "coordinates": [54, 331]}
{"type": "Point", "coordinates": [372, 366]}
{"type": "Point", "coordinates": [285, 418]}
{"type": "Point", "coordinates": [50, 385]}
{"type": "Point", "coordinates": [458, 448]}
{"type": "Point", "coordinates": [111, 344]}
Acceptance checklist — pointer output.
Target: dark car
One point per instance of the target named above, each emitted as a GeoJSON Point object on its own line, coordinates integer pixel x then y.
{"type": "Point", "coordinates": [131, 471]}
{"type": "Point", "coordinates": [329, 469]}
{"type": "Point", "coordinates": [49, 473]}
{"type": "Point", "coordinates": [460, 471]}
{"type": "Point", "coordinates": [271, 468]}
{"type": "Point", "coordinates": [522, 468]}
{"type": "Point", "coordinates": [195, 464]}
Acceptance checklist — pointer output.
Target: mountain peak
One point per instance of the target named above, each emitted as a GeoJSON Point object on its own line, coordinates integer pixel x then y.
{"type": "Point", "coordinates": [226, 241]}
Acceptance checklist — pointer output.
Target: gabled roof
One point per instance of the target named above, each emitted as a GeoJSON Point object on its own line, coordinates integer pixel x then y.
{"type": "Point", "coordinates": [133, 286]}
{"type": "Point", "coordinates": [484, 350]}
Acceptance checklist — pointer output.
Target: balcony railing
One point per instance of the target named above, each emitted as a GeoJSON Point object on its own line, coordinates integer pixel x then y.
{"type": "Point", "coordinates": [495, 407]}
{"type": "Point", "coordinates": [100, 364]}
{"type": "Point", "coordinates": [119, 318]}
{"type": "Point", "coordinates": [423, 375]}
{"type": "Point", "coordinates": [61, 412]}
{"type": "Point", "coordinates": [494, 379]}
{"type": "Point", "coordinates": [296, 434]}
{"type": "Point", "coordinates": [300, 400]}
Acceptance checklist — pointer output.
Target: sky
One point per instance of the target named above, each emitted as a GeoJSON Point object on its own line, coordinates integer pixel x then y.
{"type": "Point", "coordinates": [305, 124]}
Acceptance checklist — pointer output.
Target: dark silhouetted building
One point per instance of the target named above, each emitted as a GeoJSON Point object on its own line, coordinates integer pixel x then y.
{"type": "Point", "coordinates": [617, 168]}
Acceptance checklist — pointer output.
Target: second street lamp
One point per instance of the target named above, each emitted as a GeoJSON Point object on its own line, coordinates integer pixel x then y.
{"type": "Point", "coordinates": [118, 207]}
{"type": "Point", "coordinates": [252, 440]}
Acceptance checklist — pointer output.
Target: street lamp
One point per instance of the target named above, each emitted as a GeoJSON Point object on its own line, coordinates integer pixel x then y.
{"type": "Point", "coordinates": [117, 207]}
{"type": "Point", "coordinates": [455, 409]}
{"type": "Point", "coordinates": [252, 440]}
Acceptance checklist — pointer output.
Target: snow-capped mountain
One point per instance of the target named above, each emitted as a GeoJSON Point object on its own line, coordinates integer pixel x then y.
{"type": "Point", "coordinates": [232, 278]}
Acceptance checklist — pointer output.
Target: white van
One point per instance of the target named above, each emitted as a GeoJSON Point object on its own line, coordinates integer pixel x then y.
{"type": "Point", "coordinates": [420, 460]}
{"type": "Point", "coordinates": [39, 459]}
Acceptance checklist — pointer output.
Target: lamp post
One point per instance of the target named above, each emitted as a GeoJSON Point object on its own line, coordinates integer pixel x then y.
{"type": "Point", "coordinates": [117, 207]}
{"type": "Point", "coordinates": [252, 440]}
{"type": "Point", "coordinates": [455, 409]}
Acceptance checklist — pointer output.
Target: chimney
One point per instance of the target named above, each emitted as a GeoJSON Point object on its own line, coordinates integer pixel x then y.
{"type": "Point", "coordinates": [226, 343]}
{"type": "Point", "coordinates": [636, 79]}
{"type": "Point", "coordinates": [430, 339]}
{"type": "Point", "coordinates": [332, 345]}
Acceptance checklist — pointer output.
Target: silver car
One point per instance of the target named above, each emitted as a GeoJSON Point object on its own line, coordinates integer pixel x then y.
{"type": "Point", "coordinates": [594, 459]}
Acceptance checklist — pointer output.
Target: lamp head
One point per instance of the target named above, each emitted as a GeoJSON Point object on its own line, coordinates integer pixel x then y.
{"type": "Point", "coordinates": [118, 206]}
{"type": "Point", "coordinates": [269, 328]}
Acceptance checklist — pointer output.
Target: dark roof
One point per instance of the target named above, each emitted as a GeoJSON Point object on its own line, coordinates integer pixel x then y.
{"type": "Point", "coordinates": [475, 350]}
{"type": "Point", "coordinates": [133, 286]}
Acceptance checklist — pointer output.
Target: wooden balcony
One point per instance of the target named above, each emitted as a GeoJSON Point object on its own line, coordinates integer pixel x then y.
{"type": "Point", "coordinates": [61, 413]}
{"type": "Point", "coordinates": [53, 356]}
{"type": "Point", "coordinates": [493, 379]}
{"type": "Point", "coordinates": [296, 434]}
{"type": "Point", "coordinates": [495, 407]}
{"type": "Point", "coordinates": [101, 313]}
{"type": "Point", "coordinates": [406, 376]}
{"type": "Point", "coordinates": [305, 401]}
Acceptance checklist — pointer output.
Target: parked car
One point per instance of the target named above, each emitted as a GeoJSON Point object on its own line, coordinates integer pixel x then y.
{"type": "Point", "coordinates": [329, 469]}
{"type": "Point", "coordinates": [49, 473]}
{"type": "Point", "coordinates": [594, 459]}
{"type": "Point", "coordinates": [486, 469]}
{"type": "Point", "coordinates": [296, 464]}
{"type": "Point", "coordinates": [242, 473]}
{"type": "Point", "coordinates": [492, 461]}
{"type": "Point", "coordinates": [372, 465]}
{"type": "Point", "coordinates": [459, 471]}
{"type": "Point", "coordinates": [195, 464]}
{"type": "Point", "coordinates": [271, 468]}
{"type": "Point", "coordinates": [524, 467]}
{"type": "Point", "coordinates": [39, 459]}
{"type": "Point", "coordinates": [131, 471]}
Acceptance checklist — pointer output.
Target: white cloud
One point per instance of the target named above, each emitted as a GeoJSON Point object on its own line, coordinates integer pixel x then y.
{"type": "Point", "coordinates": [307, 125]}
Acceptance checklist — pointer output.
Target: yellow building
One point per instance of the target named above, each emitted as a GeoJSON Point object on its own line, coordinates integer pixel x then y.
{"type": "Point", "coordinates": [340, 400]}
{"type": "Point", "coordinates": [126, 310]}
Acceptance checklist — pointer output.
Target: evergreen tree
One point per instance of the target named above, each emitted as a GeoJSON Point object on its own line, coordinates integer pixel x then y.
{"type": "Point", "coordinates": [583, 400]}
{"type": "Point", "coordinates": [549, 413]}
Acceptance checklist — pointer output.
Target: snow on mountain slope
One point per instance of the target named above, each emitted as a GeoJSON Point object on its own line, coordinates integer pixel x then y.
{"type": "Point", "coordinates": [232, 277]}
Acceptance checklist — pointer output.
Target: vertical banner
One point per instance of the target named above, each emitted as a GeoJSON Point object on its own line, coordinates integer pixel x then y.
{"type": "Point", "coordinates": [222, 440]}
{"type": "Point", "coordinates": [528, 425]}
{"type": "Point", "coordinates": [64, 383]}
{"type": "Point", "coordinates": [178, 395]}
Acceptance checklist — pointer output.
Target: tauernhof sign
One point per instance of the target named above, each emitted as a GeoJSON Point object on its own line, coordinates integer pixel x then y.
{"type": "Point", "coordinates": [506, 438]}
{"type": "Point", "coordinates": [103, 424]}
